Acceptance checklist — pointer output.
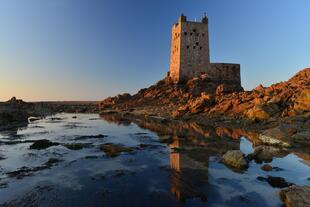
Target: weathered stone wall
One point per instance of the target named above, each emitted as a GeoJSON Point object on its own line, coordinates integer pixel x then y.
{"type": "Point", "coordinates": [194, 49]}
{"type": "Point", "coordinates": [189, 50]}
{"type": "Point", "coordinates": [224, 72]}
{"type": "Point", "coordinates": [175, 53]}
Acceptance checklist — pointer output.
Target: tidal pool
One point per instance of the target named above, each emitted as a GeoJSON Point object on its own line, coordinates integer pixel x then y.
{"type": "Point", "coordinates": [168, 164]}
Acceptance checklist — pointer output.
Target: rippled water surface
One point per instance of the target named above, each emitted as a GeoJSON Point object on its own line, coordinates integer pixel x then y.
{"type": "Point", "coordinates": [169, 164]}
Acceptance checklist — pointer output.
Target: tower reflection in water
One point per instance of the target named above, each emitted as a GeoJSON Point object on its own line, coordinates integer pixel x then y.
{"type": "Point", "coordinates": [188, 177]}
{"type": "Point", "coordinates": [191, 146]}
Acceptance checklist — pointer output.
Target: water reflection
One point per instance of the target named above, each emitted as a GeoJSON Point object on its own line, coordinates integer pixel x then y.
{"type": "Point", "coordinates": [172, 163]}
{"type": "Point", "coordinates": [191, 146]}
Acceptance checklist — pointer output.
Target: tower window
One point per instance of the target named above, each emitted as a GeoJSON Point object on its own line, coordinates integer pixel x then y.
{"type": "Point", "coordinates": [194, 47]}
{"type": "Point", "coordinates": [185, 33]}
{"type": "Point", "coordinates": [200, 48]}
{"type": "Point", "coordinates": [194, 30]}
{"type": "Point", "coordinates": [187, 46]}
{"type": "Point", "coordinates": [203, 34]}
{"type": "Point", "coordinates": [191, 34]}
{"type": "Point", "coordinates": [197, 43]}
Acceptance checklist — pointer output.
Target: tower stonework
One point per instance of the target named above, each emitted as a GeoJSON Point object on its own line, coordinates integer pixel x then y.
{"type": "Point", "coordinates": [189, 49]}
{"type": "Point", "coordinates": [190, 57]}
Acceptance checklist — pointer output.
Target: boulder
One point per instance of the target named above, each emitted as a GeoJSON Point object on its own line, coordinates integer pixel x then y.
{"type": "Point", "coordinates": [266, 154]}
{"type": "Point", "coordinates": [296, 196]}
{"type": "Point", "coordinates": [236, 159]}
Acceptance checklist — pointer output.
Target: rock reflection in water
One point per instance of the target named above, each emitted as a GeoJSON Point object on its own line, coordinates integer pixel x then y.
{"type": "Point", "coordinates": [191, 146]}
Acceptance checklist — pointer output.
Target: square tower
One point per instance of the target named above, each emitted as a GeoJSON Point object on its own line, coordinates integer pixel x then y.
{"type": "Point", "coordinates": [189, 49]}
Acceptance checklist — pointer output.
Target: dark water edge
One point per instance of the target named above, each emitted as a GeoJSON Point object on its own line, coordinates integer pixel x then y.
{"type": "Point", "coordinates": [169, 164]}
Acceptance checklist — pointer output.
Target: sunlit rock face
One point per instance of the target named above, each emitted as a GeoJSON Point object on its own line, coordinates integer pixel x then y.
{"type": "Point", "coordinates": [200, 96]}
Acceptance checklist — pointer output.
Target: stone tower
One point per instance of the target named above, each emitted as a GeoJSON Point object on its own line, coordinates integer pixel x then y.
{"type": "Point", "coordinates": [189, 50]}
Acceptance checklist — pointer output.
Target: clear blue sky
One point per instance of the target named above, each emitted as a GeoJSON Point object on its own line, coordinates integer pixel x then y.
{"type": "Point", "coordinates": [90, 49]}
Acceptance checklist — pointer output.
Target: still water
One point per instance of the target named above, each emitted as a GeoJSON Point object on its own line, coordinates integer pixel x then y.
{"type": "Point", "coordinates": [169, 164]}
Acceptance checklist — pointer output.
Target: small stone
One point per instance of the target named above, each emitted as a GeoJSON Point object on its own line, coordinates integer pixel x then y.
{"type": "Point", "coordinates": [266, 167]}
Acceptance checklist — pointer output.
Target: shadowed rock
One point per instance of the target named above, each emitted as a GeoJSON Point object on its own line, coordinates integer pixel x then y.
{"type": "Point", "coordinates": [114, 150]}
{"type": "Point", "coordinates": [276, 182]}
{"type": "Point", "coordinates": [99, 136]}
{"type": "Point", "coordinates": [42, 144]}
{"type": "Point", "coordinates": [27, 171]}
{"type": "Point", "coordinates": [77, 146]}
{"type": "Point", "coordinates": [266, 153]}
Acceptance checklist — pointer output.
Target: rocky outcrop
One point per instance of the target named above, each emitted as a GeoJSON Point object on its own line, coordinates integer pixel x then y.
{"type": "Point", "coordinates": [190, 97]}
{"type": "Point", "coordinates": [16, 111]}
{"type": "Point", "coordinates": [201, 97]}
{"type": "Point", "coordinates": [236, 159]}
{"type": "Point", "coordinates": [296, 196]}
{"type": "Point", "coordinates": [263, 103]}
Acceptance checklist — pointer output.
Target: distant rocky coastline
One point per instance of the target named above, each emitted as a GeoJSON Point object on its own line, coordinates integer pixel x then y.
{"type": "Point", "coordinates": [16, 112]}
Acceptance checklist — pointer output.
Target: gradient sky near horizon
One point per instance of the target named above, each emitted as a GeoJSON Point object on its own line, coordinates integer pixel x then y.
{"type": "Point", "coordinates": [91, 49]}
